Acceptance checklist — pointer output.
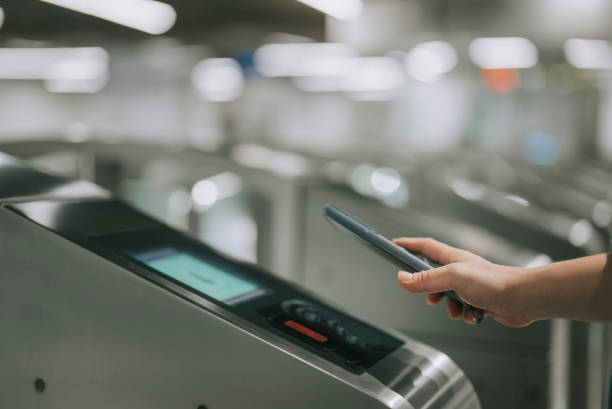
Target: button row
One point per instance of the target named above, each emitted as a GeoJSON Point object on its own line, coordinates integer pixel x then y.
{"type": "Point", "coordinates": [314, 318]}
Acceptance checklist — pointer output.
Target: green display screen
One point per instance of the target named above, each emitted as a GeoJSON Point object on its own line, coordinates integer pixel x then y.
{"type": "Point", "coordinates": [201, 276]}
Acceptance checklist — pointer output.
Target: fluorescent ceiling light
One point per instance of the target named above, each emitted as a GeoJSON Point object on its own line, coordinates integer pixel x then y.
{"type": "Point", "coordinates": [78, 69]}
{"type": "Point", "coordinates": [34, 63]}
{"type": "Point", "coordinates": [503, 52]}
{"type": "Point", "coordinates": [76, 76]}
{"type": "Point", "coordinates": [361, 74]}
{"type": "Point", "coordinates": [218, 79]}
{"type": "Point", "coordinates": [589, 54]}
{"type": "Point", "coordinates": [300, 59]}
{"type": "Point", "coordinates": [341, 9]}
{"type": "Point", "coordinates": [150, 16]}
{"type": "Point", "coordinates": [1, 16]}
{"type": "Point", "coordinates": [428, 62]}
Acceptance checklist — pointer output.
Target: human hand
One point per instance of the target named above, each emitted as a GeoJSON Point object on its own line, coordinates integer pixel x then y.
{"type": "Point", "coordinates": [477, 281]}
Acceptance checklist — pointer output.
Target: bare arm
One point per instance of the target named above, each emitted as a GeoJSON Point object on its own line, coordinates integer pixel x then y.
{"type": "Point", "coordinates": [579, 289]}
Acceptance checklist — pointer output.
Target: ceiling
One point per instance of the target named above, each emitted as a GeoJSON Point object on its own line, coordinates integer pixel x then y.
{"type": "Point", "coordinates": [35, 20]}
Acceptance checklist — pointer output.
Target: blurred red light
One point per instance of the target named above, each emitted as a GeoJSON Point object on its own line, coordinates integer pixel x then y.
{"type": "Point", "coordinates": [502, 80]}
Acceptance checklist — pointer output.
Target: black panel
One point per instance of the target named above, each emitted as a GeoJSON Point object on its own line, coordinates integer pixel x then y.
{"type": "Point", "coordinates": [350, 343]}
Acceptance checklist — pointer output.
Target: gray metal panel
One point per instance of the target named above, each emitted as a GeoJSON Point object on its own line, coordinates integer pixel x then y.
{"type": "Point", "coordinates": [21, 181]}
{"type": "Point", "coordinates": [102, 338]}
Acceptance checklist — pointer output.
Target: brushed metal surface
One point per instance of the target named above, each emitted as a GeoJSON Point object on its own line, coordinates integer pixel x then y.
{"type": "Point", "coordinates": [101, 336]}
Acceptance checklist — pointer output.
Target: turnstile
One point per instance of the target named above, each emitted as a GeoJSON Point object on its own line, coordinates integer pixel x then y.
{"type": "Point", "coordinates": [101, 306]}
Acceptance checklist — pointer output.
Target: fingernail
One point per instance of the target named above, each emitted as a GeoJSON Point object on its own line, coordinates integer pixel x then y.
{"type": "Point", "coordinates": [404, 276]}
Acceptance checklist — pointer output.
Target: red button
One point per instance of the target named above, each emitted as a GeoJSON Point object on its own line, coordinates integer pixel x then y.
{"type": "Point", "coordinates": [306, 331]}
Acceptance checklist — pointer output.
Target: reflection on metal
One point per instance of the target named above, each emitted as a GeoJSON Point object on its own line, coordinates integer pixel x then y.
{"type": "Point", "coordinates": [22, 181]}
{"type": "Point", "coordinates": [559, 372]}
{"type": "Point", "coordinates": [468, 189]}
{"type": "Point", "coordinates": [596, 366]}
{"type": "Point", "coordinates": [281, 163]}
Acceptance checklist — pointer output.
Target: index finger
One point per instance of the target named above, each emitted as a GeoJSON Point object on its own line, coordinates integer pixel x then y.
{"type": "Point", "coordinates": [430, 248]}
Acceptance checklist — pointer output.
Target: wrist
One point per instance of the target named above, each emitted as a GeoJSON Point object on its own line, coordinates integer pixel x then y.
{"type": "Point", "coordinates": [572, 289]}
{"type": "Point", "coordinates": [532, 294]}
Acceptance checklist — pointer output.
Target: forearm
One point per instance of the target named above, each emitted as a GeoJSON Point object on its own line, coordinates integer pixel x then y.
{"type": "Point", "coordinates": [579, 289]}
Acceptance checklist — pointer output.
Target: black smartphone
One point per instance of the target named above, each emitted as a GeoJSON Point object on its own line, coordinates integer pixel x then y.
{"type": "Point", "coordinates": [391, 251]}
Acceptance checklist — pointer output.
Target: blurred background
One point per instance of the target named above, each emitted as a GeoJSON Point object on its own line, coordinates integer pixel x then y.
{"type": "Point", "coordinates": [486, 124]}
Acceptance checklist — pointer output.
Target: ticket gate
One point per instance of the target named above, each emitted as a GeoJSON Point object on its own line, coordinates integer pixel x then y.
{"type": "Point", "coordinates": [101, 306]}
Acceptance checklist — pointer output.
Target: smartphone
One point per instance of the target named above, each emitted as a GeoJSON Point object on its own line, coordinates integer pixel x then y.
{"type": "Point", "coordinates": [391, 251]}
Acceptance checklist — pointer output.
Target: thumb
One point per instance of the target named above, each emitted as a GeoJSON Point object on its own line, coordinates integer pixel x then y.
{"type": "Point", "coordinates": [429, 281]}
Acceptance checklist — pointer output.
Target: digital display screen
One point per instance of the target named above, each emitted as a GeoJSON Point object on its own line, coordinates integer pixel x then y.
{"type": "Point", "coordinates": [200, 275]}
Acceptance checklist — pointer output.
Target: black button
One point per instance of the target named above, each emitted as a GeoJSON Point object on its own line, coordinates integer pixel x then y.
{"type": "Point", "coordinates": [355, 341]}
{"type": "Point", "coordinates": [312, 317]}
{"type": "Point", "coordinates": [332, 324]}
{"type": "Point", "coordinates": [341, 331]}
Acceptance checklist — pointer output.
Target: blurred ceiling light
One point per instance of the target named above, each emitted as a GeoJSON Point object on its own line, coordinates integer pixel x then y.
{"type": "Point", "coordinates": [345, 10]}
{"type": "Point", "coordinates": [218, 79]}
{"type": "Point", "coordinates": [74, 70]}
{"type": "Point", "coordinates": [385, 180]}
{"type": "Point", "coordinates": [580, 233]}
{"type": "Point", "coordinates": [361, 74]}
{"type": "Point", "coordinates": [503, 52]}
{"type": "Point", "coordinates": [602, 214]}
{"type": "Point", "coordinates": [208, 191]}
{"type": "Point", "coordinates": [301, 59]}
{"type": "Point", "coordinates": [150, 16]}
{"type": "Point", "coordinates": [1, 16]}
{"type": "Point", "coordinates": [588, 53]}
{"type": "Point", "coordinates": [76, 76]}
{"type": "Point", "coordinates": [428, 62]}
